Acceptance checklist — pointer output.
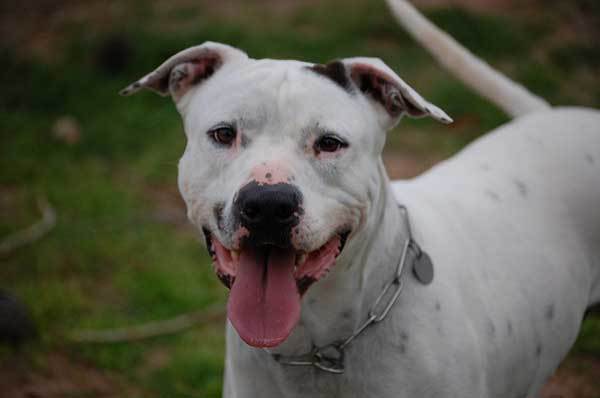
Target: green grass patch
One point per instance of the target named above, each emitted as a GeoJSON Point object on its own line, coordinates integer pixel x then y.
{"type": "Point", "coordinates": [489, 36]}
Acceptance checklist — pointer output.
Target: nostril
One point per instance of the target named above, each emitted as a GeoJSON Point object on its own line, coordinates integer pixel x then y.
{"type": "Point", "coordinates": [284, 212]}
{"type": "Point", "coordinates": [251, 211]}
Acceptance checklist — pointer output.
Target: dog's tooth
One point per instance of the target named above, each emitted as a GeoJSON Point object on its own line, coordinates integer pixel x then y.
{"type": "Point", "coordinates": [235, 255]}
{"type": "Point", "coordinates": [301, 259]}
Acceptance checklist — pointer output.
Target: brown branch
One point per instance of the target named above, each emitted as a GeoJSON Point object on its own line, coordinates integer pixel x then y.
{"type": "Point", "coordinates": [32, 233]}
{"type": "Point", "coordinates": [150, 329]}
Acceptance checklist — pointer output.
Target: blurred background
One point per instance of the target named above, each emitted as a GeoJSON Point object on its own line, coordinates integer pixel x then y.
{"type": "Point", "coordinates": [120, 252]}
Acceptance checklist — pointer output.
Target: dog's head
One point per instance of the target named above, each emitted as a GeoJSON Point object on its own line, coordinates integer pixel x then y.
{"type": "Point", "coordinates": [280, 168]}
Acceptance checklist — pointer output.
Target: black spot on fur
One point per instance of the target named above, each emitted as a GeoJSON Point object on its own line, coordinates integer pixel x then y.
{"type": "Point", "coordinates": [335, 71]}
{"type": "Point", "coordinates": [549, 313]}
{"type": "Point", "coordinates": [492, 195]}
{"type": "Point", "coordinates": [438, 305]}
{"type": "Point", "coordinates": [491, 329]}
{"type": "Point", "coordinates": [402, 348]}
{"type": "Point", "coordinates": [404, 336]}
{"type": "Point", "coordinates": [521, 187]}
{"type": "Point", "coordinates": [589, 158]}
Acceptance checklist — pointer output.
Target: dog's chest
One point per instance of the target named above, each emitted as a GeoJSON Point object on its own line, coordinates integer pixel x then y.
{"type": "Point", "coordinates": [392, 359]}
{"type": "Point", "coordinates": [371, 369]}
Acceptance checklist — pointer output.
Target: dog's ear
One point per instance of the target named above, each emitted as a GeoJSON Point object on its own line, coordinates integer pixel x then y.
{"type": "Point", "coordinates": [178, 74]}
{"type": "Point", "coordinates": [388, 92]}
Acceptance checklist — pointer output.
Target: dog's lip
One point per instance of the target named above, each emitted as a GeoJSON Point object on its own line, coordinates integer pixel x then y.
{"type": "Point", "coordinates": [225, 259]}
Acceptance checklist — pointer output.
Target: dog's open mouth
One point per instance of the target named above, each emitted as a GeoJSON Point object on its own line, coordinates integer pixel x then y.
{"type": "Point", "coordinates": [267, 283]}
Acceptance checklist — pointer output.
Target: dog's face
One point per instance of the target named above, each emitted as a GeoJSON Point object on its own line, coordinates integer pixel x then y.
{"type": "Point", "coordinates": [280, 168]}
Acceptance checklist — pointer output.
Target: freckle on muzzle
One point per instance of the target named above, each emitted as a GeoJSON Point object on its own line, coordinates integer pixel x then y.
{"type": "Point", "coordinates": [268, 212]}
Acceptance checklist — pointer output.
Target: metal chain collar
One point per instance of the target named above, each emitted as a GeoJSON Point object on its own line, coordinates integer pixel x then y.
{"type": "Point", "coordinates": [330, 358]}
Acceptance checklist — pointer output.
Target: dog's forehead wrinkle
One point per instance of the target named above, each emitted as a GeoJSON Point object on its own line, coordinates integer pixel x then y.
{"type": "Point", "coordinates": [278, 97]}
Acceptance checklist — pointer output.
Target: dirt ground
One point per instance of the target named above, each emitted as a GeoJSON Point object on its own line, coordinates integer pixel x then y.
{"type": "Point", "coordinates": [60, 375]}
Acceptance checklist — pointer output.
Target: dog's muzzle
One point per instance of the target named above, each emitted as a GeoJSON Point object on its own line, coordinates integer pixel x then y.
{"type": "Point", "coordinates": [265, 270]}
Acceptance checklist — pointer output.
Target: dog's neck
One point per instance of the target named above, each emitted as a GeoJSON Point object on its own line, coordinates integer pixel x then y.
{"type": "Point", "coordinates": [334, 308]}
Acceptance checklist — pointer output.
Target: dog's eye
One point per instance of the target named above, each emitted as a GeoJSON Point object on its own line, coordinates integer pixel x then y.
{"type": "Point", "coordinates": [329, 143]}
{"type": "Point", "coordinates": [222, 134]}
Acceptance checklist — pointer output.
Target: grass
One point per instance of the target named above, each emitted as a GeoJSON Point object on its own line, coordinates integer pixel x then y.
{"type": "Point", "coordinates": [111, 261]}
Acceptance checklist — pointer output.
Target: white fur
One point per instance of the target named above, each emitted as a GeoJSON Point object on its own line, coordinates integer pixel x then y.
{"type": "Point", "coordinates": [516, 247]}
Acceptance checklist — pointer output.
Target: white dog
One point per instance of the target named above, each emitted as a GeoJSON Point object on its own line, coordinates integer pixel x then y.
{"type": "Point", "coordinates": [475, 286]}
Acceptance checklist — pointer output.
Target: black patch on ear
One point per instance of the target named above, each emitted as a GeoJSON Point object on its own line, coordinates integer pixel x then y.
{"type": "Point", "coordinates": [383, 89]}
{"type": "Point", "coordinates": [372, 83]}
{"type": "Point", "coordinates": [207, 66]}
{"type": "Point", "coordinates": [335, 71]}
{"type": "Point", "coordinates": [189, 73]}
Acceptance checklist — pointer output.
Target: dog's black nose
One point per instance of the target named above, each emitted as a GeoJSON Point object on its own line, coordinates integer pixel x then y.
{"type": "Point", "coordinates": [268, 212]}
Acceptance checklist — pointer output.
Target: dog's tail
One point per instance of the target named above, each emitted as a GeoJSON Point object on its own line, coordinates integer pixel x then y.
{"type": "Point", "coordinates": [512, 97]}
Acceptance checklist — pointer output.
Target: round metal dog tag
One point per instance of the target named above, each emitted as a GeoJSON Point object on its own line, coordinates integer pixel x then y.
{"type": "Point", "coordinates": [423, 268]}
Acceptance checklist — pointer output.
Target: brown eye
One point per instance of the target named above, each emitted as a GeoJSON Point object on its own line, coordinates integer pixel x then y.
{"type": "Point", "coordinates": [329, 143]}
{"type": "Point", "coordinates": [223, 134]}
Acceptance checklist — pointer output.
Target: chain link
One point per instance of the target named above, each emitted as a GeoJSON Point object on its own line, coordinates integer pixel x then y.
{"type": "Point", "coordinates": [330, 358]}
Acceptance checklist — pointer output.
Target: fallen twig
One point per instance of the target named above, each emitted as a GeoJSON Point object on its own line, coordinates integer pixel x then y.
{"type": "Point", "coordinates": [150, 329]}
{"type": "Point", "coordinates": [30, 234]}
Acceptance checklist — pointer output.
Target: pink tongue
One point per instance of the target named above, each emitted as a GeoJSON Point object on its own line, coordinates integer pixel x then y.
{"type": "Point", "coordinates": [264, 303]}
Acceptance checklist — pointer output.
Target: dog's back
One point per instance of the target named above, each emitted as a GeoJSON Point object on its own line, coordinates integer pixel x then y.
{"type": "Point", "coordinates": [541, 171]}
{"type": "Point", "coordinates": [512, 226]}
